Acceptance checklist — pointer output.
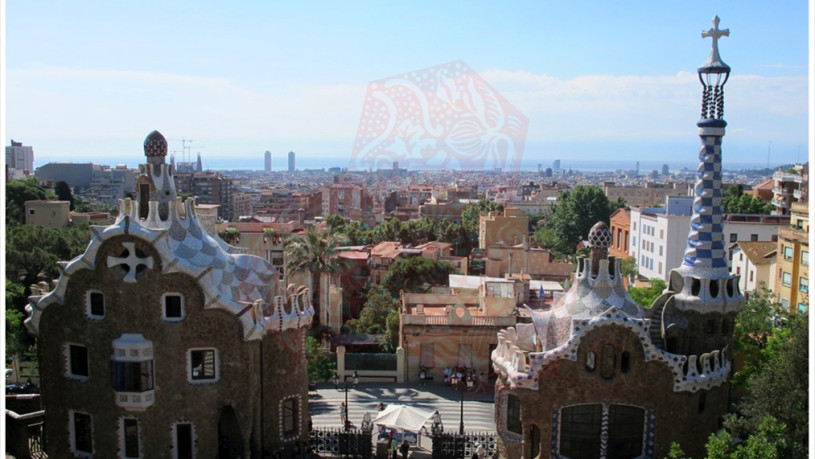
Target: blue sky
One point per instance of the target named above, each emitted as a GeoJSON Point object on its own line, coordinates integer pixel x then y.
{"type": "Point", "coordinates": [88, 80]}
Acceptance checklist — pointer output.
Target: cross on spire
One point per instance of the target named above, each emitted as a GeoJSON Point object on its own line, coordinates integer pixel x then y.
{"type": "Point", "coordinates": [715, 33]}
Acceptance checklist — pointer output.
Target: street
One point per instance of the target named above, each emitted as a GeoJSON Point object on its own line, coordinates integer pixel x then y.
{"type": "Point", "coordinates": [324, 404]}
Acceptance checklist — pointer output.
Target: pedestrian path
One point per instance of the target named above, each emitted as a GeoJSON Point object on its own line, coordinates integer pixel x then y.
{"type": "Point", "coordinates": [478, 415]}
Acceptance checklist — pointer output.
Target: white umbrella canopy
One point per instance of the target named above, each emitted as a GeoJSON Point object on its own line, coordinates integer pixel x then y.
{"type": "Point", "coordinates": [403, 417]}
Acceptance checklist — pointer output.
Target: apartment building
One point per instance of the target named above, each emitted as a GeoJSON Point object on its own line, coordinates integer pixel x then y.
{"type": "Point", "coordinates": [754, 262]}
{"type": "Point", "coordinates": [792, 266]}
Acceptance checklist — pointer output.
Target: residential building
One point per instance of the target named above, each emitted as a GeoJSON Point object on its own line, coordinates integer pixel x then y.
{"type": "Point", "coordinates": [19, 160]}
{"type": "Point", "coordinates": [453, 328]}
{"type": "Point", "coordinates": [78, 175]}
{"type": "Point", "coordinates": [160, 340]}
{"type": "Point", "coordinates": [598, 376]}
{"type": "Point", "coordinates": [790, 186]}
{"type": "Point", "coordinates": [620, 223]}
{"type": "Point", "coordinates": [657, 234]}
{"type": "Point", "coordinates": [208, 188]}
{"type": "Point", "coordinates": [503, 260]}
{"type": "Point", "coordinates": [511, 228]}
{"type": "Point", "coordinates": [649, 195]}
{"type": "Point", "coordinates": [792, 266]}
{"type": "Point", "coordinates": [55, 214]}
{"type": "Point", "coordinates": [753, 263]}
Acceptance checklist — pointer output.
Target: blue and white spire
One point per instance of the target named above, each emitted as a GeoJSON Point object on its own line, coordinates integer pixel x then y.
{"type": "Point", "coordinates": [705, 251]}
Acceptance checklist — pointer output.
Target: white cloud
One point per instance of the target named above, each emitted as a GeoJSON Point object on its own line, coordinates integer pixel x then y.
{"type": "Point", "coordinates": [74, 103]}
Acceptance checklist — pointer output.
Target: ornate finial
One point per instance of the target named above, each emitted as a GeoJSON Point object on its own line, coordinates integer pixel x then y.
{"type": "Point", "coordinates": [713, 74]}
{"type": "Point", "coordinates": [600, 241]}
{"type": "Point", "coordinates": [715, 33]}
{"type": "Point", "coordinates": [155, 145]}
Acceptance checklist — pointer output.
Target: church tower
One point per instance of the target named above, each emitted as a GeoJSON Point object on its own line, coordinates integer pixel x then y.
{"type": "Point", "coordinates": [697, 311]}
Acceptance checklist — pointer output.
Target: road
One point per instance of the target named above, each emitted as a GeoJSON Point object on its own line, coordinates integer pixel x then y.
{"type": "Point", "coordinates": [324, 404]}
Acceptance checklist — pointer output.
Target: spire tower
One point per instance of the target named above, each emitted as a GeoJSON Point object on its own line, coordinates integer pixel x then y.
{"type": "Point", "coordinates": [701, 302]}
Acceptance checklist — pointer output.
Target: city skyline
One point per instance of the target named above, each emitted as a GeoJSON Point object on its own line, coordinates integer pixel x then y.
{"type": "Point", "coordinates": [83, 82]}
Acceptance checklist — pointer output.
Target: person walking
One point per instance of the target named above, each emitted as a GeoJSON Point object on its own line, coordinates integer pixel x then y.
{"type": "Point", "coordinates": [404, 448]}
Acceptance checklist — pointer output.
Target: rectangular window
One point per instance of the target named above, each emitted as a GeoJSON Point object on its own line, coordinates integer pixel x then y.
{"type": "Point", "coordinates": [514, 414]}
{"type": "Point", "coordinates": [803, 284]}
{"type": "Point", "coordinates": [786, 279]}
{"type": "Point", "coordinates": [625, 430]}
{"type": "Point", "coordinates": [751, 275]}
{"type": "Point", "coordinates": [203, 365]}
{"type": "Point", "coordinates": [83, 433]}
{"type": "Point", "coordinates": [78, 360]}
{"type": "Point", "coordinates": [132, 376]}
{"type": "Point", "coordinates": [734, 237]}
{"type": "Point", "coordinates": [635, 226]}
{"type": "Point", "coordinates": [96, 302]}
{"type": "Point", "coordinates": [289, 416]}
{"type": "Point", "coordinates": [130, 437]}
{"type": "Point", "coordinates": [754, 237]}
{"type": "Point", "coordinates": [30, 211]}
{"type": "Point", "coordinates": [465, 355]}
{"type": "Point", "coordinates": [660, 268]}
{"type": "Point", "coordinates": [173, 307]}
{"type": "Point", "coordinates": [788, 252]}
{"type": "Point", "coordinates": [580, 430]}
{"type": "Point", "coordinates": [805, 257]}
{"type": "Point", "coordinates": [662, 234]}
{"type": "Point", "coordinates": [183, 441]}
{"type": "Point", "coordinates": [427, 358]}
{"type": "Point", "coordinates": [802, 308]}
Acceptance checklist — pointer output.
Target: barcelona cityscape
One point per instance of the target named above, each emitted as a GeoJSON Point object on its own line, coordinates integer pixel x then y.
{"type": "Point", "coordinates": [371, 230]}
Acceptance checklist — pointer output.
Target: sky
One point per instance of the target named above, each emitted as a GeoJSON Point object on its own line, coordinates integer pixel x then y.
{"type": "Point", "coordinates": [592, 81]}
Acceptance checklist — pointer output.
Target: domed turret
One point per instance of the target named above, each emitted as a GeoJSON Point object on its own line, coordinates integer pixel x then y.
{"type": "Point", "coordinates": [155, 148]}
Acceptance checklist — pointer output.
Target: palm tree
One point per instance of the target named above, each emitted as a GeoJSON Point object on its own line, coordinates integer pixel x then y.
{"type": "Point", "coordinates": [315, 252]}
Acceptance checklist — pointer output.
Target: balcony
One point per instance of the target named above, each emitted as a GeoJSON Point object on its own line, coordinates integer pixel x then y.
{"type": "Point", "coordinates": [786, 177]}
{"type": "Point", "coordinates": [135, 401]}
{"type": "Point", "coordinates": [780, 203]}
{"type": "Point", "coordinates": [797, 194]}
{"type": "Point", "coordinates": [780, 190]}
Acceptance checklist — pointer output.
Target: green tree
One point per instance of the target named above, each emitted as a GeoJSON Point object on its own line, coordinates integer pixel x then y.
{"type": "Point", "coordinates": [316, 253]}
{"type": "Point", "coordinates": [628, 268]}
{"type": "Point", "coordinates": [778, 388]}
{"type": "Point", "coordinates": [376, 317]}
{"type": "Point", "coordinates": [575, 213]}
{"type": "Point", "coordinates": [319, 365]}
{"type": "Point", "coordinates": [20, 191]}
{"type": "Point", "coordinates": [754, 326]}
{"type": "Point", "coordinates": [411, 274]}
{"type": "Point", "coordinates": [63, 191]}
{"type": "Point", "coordinates": [736, 201]}
{"type": "Point", "coordinates": [336, 223]}
{"type": "Point", "coordinates": [32, 251]}
{"type": "Point", "coordinates": [645, 296]}
{"type": "Point", "coordinates": [547, 238]}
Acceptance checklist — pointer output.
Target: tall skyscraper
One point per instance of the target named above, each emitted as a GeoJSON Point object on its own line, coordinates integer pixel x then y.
{"type": "Point", "coordinates": [20, 158]}
{"type": "Point", "coordinates": [291, 161]}
{"type": "Point", "coordinates": [199, 166]}
{"type": "Point", "coordinates": [556, 165]}
{"type": "Point", "coordinates": [665, 170]}
{"type": "Point", "coordinates": [268, 161]}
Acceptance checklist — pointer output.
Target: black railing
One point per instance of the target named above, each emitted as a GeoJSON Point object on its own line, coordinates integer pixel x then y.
{"type": "Point", "coordinates": [455, 446]}
{"type": "Point", "coordinates": [340, 443]}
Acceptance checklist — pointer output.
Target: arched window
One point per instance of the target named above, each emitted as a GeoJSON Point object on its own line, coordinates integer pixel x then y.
{"type": "Point", "coordinates": [609, 358]}
{"type": "Point", "coordinates": [590, 361]}
{"type": "Point", "coordinates": [625, 361]}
